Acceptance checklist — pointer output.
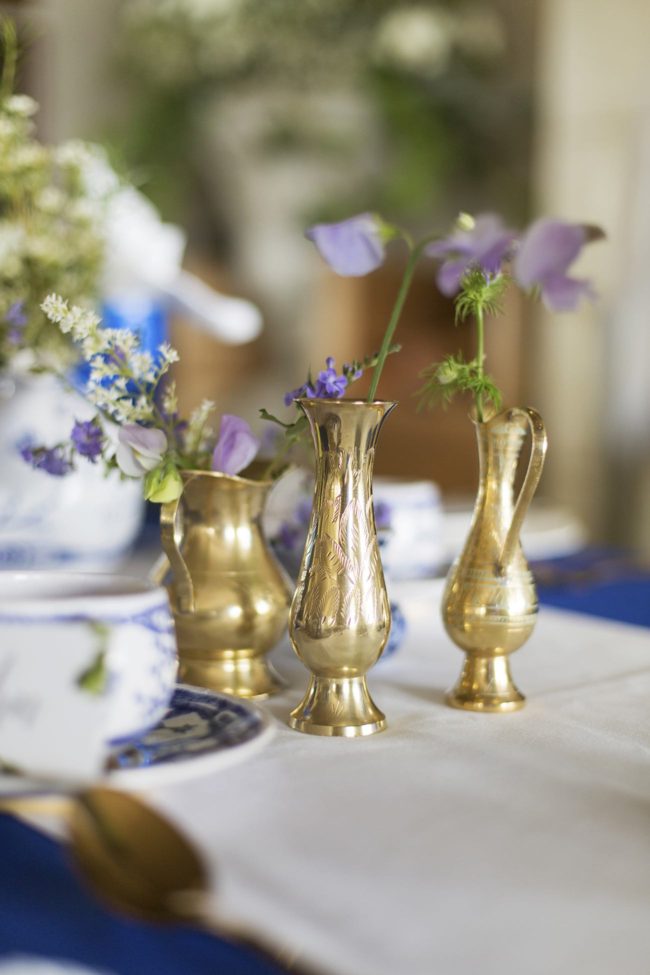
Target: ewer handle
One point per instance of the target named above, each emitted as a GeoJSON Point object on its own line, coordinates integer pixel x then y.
{"type": "Point", "coordinates": [171, 536]}
{"type": "Point", "coordinates": [530, 482]}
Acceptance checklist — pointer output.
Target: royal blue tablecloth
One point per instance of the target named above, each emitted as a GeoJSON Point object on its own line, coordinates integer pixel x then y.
{"type": "Point", "coordinates": [45, 911]}
{"type": "Point", "coordinates": [599, 582]}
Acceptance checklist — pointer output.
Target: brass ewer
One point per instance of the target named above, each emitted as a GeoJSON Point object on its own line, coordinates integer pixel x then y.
{"type": "Point", "coordinates": [229, 595]}
{"type": "Point", "coordinates": [489, 606]}
{"type": "Point", "coordinates": [340, 615]}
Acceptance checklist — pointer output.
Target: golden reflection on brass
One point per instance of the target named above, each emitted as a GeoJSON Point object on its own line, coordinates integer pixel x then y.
{"type": "Point", "coordinates": [489, 606]}
{"type": "Point", "coordinates": [229, 595]}
{"type": "Point", "coordinates": [340, 615]}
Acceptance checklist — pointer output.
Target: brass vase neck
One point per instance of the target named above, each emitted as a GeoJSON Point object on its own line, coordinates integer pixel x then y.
{"type": "Point", "coordinates": [345, 426]}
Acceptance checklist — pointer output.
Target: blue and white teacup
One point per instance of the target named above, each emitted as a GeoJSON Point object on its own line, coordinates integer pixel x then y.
{"type": "Point", "coordinates": [117, 635]}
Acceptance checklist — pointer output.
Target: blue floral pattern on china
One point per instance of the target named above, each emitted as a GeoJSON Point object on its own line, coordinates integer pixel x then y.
{"type": "Point", "coordinates": [144, 696]}
{"type": "Point", "coordinates": [196, 723]}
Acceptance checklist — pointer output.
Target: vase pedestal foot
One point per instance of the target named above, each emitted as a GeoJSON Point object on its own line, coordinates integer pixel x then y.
{"type": "Point", "coordinates": [338, 708]}
{"type": "Point", "coordinates": [235, 673]}
{"type": "Point", "coordinates": [485, 684]}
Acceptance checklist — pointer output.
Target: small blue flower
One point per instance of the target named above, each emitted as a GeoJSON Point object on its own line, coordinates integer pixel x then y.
{"type": "Point", "coordinates": [290, 536]}
{"type": "Point", "coordinates": [383, 515]}
{"type": "Point", "coordinates": [51, 460]}
{"type": "Point", "coordinates": [16, 319]}
{"type": "Point", "coordinates": [88, 439]}
{"type": "Point", "coordinates": [329, 385]}
{"type": "Point", "coordinates": [306, 391]}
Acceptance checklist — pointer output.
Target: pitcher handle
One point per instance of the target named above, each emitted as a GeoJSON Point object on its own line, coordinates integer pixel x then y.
{"type": "Point", "coordinates": [531, 480]}
{"type": "Point", "coordinates": [171, 535]}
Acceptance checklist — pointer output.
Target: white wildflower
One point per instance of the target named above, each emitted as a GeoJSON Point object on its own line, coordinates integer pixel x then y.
{"type": "Point", "coordinates": [170, 400]}
{"type": "Point", "coordinates": [168, 353]}
{"type": "Point", "coordinates": [51, 200]}
{"type": "Point", "coordinates": [8, 129]}
{"type": "Point", "coordinates": [30, 156]}
{"type": "Point", "coordinates": [71, 155]}
{"type": "Point", "coordinates": [55, 308]}
{"type": "Point", "coordinates": [197, 429]}
{"type": "Point", "coordinates": [415, 38]}
{"type": "Point", "coordinates": [20, 105]}
{"type": "Point", "coordinates": [92, 344]}
{"type": "Point", "coordinates": [141, 364]}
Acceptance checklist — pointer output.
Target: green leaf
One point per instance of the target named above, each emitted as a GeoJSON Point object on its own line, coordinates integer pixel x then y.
{"type": "Point", "coordinates": [444, 380]}
{"type": "Point", "coordinates": [95, 677]}
{"type": "Point", "coordinates": [274, 419]}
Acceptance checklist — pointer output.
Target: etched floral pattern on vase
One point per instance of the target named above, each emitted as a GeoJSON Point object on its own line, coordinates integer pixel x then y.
{"type": "Point", "coordinates": [490, 603]}
{"type": "Point", "coordinates": [340, 614]}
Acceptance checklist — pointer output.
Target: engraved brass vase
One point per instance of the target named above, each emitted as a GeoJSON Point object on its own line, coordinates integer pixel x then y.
{"type": "Point", "coordinates": [229, 595]}
{"type": "Point", "coordinates": [490, 604]}
{"type": "Point", "coordinates": [340, 615]}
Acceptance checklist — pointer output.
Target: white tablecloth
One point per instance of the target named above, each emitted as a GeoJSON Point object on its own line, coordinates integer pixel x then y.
{"type": "Point", "coordinates": [452, 843]}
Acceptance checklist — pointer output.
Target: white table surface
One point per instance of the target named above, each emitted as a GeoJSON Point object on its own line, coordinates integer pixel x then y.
{"type": "Point", "coordinates": [451, 843]}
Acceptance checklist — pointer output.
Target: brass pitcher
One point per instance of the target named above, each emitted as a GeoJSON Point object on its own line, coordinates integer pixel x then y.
{"type": "Point", "coordinates": [489, 606]}
{"type": "Point", "coordinates": [229, 595]}
{"type": "Point", "coordinates": [340, 615]}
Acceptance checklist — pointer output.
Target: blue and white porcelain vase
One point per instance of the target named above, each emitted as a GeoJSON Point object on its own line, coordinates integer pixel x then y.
{"type": "Point", "coordinates": [82, 520]}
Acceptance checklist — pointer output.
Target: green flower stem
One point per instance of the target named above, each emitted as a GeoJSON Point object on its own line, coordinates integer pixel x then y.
{"type": "Point", "coordinates": [415, 256]}
{"type": "Point", "coordinates": [10, 57]}
{"type": "Point", "coordinates": [480, 358]}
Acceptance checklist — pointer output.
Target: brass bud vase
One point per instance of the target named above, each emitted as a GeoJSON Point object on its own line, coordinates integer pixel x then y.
{"type": "Point", "coordinates": [340, 615]}
{"type": "Point", "coordinates": [490, 604]}
{"type": "Point", "coordinates": [229, 595]}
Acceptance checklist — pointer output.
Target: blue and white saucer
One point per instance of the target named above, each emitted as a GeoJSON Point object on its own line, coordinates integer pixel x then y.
{"type": "Point", "coordinates": [202, 732]}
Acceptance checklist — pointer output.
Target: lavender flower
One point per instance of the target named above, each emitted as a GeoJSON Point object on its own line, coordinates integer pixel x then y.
{"type": "Point", "coordinates": [483, 243]}
{"type": "Point", "coordinates": [329, 385]}
{"type": "Point", "coordinates": [140, 449]}
{"type": "Point", "coordinates": [16, 319]}
{"type": "Point", "coordinates": [236, 446]}
{"type": "Point", "coordinates": [383, 515]}
{"type": "Point", "coordinates": [306, 391]}
{"type": "Point", "coordinates": [353, 247]}
{"type": "Point", "coordinates": [88, 439]}
{"type": "Point", "coordinates": [290, 536]}
{"type": "Point", "coordinates": [51, 460]}
{"type": "Point", "coordinates": [544, 256]}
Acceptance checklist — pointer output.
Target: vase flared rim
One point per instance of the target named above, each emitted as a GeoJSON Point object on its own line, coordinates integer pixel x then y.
{"type": "Point", "coordinates": [233, 478]}
{"type": "Point", "coordinates": [345, 401]}
{"type": "Point", "coordinates": [502, 412]}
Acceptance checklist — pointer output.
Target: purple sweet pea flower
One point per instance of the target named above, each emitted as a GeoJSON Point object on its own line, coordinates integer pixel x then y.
{"type": "Point", "coordinates": [87, 438]}
{"type": "Point", "coordinates": [236, 446]}
{"type": "Point", "coordinates": [51, 460]}
{"type": "Point", "coordinates": [353, 247]}
{"type": "Point", "coordinates": [484, 246]}
{"type": "Point", "coordinates": [140, 449]}
{"type": "Point", "coordinates": [329, 385]}
{"type": "Point", "coordinates": [546, 252]}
